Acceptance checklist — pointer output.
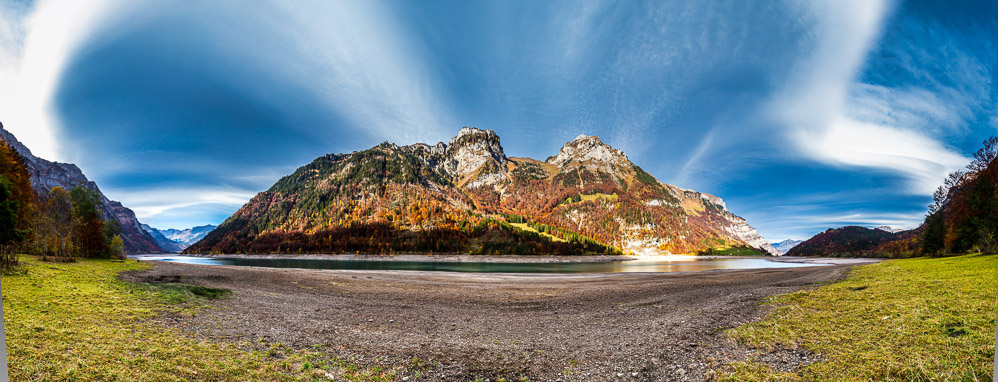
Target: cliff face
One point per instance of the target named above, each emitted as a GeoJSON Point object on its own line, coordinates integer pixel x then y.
{"type": "Point", "coordinates": [46, 174]}
{"type": "Point", "coordinates": [589, 192]}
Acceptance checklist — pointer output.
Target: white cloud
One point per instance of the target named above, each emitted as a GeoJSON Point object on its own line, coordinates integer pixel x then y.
{"type": "Point", "coordinates": [847, 142]}
{"type": "Point", "coordinates": [34, 48]}
{"type": "Point", "coordinates": [874, 127]}
{"type": "Point", "coordinates": [147, 204]}
{"type": "Point", "coordinates": [816, 90]}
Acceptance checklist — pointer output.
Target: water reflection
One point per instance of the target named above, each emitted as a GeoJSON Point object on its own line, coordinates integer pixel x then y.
{"type": "Point", "coordinates": [672, 264]}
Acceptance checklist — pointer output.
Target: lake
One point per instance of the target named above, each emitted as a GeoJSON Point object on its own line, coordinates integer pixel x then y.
{"type": "Point", "coordinates": [670, 264]}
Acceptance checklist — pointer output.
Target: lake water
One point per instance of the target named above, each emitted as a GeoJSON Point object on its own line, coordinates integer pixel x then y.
{"type": "Point", "coordinates": [672, 264]}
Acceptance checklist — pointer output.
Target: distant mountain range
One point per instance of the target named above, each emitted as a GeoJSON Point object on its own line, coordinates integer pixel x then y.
{"type": "Point", "coordinates": [46, 174]}
{"type": "Point", "coordinates": [173, 240]}
{"type": "Point", "coordinates": [468, 196]}
{"type": "Point", "coordinates": [785, 245]}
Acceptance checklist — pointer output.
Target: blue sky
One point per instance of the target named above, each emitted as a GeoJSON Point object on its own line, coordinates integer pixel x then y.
{"type": "Point", "coordinates": [802, 115]}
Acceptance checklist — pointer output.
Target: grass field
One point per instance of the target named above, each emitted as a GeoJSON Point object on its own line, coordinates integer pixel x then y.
{"type": "Point", "coordinates": [922, 319]}
{"type": "Point", "coordinates": [77, 321]}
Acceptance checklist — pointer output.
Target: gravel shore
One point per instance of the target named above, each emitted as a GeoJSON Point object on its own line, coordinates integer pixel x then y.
{"type": "Point", "coordinates": [587, 327]}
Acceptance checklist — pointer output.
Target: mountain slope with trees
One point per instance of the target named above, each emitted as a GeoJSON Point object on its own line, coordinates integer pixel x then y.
{"type": "Point", "coordinates": [468, 196]}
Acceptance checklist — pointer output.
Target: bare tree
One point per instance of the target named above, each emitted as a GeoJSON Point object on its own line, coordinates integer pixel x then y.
{"type": "Point", "coordinates": [984, 156]}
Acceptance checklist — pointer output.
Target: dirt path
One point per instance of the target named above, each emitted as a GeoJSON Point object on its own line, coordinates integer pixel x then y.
{"type": "Point", "coordinates": [666, 326]}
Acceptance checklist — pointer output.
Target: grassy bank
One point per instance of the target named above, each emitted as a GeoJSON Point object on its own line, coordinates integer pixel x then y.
{"type": "Point", "coordinates": [913, 320]}
{"type": "Point", "coordinates": [77, 321]}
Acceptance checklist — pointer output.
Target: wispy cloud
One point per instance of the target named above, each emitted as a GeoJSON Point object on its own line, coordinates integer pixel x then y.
{"type": "Point", "coordinates": [847, 142]}
{"type": "Point", "coordinates": [815, 93]}
{"type": "Point", "coordinates": [370, 68]}
{"type": "Point", "coordinates": [159, 207]}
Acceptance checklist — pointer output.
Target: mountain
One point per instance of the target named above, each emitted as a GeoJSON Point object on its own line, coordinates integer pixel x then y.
{"type": "Point", "coordinates": [837, 241]}
{"type": "Point", "coordinates": [174, 240]}
{"type": "Point", "coordinates": [467, 195]}
{"type": "Point", "coordinates": [785, 245]}
{"type": "Point", "coordinates": [162, 241]}
{"type": "Point", "coordinates": [854, 241]}
{"type": "Point", "coordinates": [46, 174]}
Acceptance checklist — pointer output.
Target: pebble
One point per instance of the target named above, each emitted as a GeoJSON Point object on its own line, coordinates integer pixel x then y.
{"type": "Point", "coordinates": [405, 379]}
{"type": "Point", "coordinates": [635, 375]}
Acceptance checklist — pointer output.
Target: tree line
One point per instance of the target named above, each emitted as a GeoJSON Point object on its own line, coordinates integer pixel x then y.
{"type": "Point", "coordinates": [963, 216]}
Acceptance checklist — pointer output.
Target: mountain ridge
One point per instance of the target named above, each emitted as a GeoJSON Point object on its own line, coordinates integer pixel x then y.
{"type": "Point", "coordinates": [589, 192]}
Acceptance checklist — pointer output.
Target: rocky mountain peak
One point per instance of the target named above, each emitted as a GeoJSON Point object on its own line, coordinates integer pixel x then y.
{"type": "Point", "coordinates": [483, 142]}
{"type": "Point", "coordinates": [476, 156]}
{"type": "Point", "coordinates": [586, 148]}
{"type": "Point", "coordinates": [591, 153]}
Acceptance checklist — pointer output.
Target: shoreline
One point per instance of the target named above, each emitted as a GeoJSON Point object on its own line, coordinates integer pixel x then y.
{"type": "Point", "coordinates": [457, 258]}
{"type": "Point", "coordinates": [422, 258]}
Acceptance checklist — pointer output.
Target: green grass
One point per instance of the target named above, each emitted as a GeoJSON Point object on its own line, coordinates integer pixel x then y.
{"type": "Point", "coordinates": [921, 319]}
{"type": "Point", "coordinates": [183, 293]}
{"type": "Point", "coordinates": [77, 321]}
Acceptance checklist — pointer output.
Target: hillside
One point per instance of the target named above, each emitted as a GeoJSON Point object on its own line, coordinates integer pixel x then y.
{"type": "Point", "coordinates": [849, 240]}
{"type": "Point", "coordinates": [465, 196]}
{"type": "Point", "coordinates": [46, 174]}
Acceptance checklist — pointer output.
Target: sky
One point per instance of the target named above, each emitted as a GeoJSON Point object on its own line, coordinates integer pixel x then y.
{"type": "Point", "coordinates": [802, 115]}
